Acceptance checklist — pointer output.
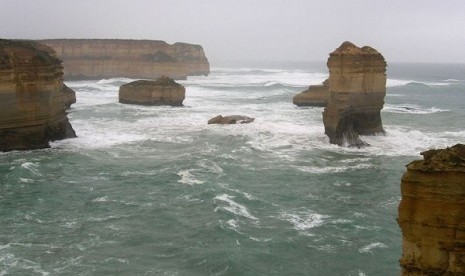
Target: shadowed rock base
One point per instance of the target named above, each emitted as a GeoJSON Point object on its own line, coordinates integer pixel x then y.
{"type": "Point", "coordinates": [432, 214]}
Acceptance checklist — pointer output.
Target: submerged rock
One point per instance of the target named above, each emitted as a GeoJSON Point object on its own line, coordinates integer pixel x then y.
{"type": "Point", "coordinates": [432, 213]}
{"type": "Point", "coordinates": [357, 86]}
{"type": "Point", "coordinates": [163, 91]}
{"type": "Point", "coordinates": [232, 119]}
{"type": "Point", "coordinates": [32, 104]}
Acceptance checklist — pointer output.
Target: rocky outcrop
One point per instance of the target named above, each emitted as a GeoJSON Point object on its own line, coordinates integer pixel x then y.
{"type": "Point", "coordinates": [231, 119]}
{"type": "Point", "coordinates": [32, 108]}
{"type": "Point", "coordinates": [139, 59]}
{"type": "Point", "coordinates": [163, 91]}
{"type": "Point", "coordinates": [432, 214]}
{"type": "Point", "coordinates": [357, 86]}
{"type": "Point", "coordinates": [315, 95]}
{"type": "Point", "coordinates": [69, 96]}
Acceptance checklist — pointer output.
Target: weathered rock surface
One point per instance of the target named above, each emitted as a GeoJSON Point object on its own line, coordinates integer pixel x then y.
{"type": "Point", "coordinates": [315, 95]}
{"type": "Point", "coordinates": [231, 119]}
{"type": "Point", "coordinates": [32, 108]}
{"type": "Point", "coordinates": [357, 86]}
{"type": "Point", "coordinates": [432, 214]}
{"type": "Point", "coordinates": [69, 96]}
{"type": "Point", "coordinates": [163, 91]}
{"type": "Point", "coordinates": [139, 59]}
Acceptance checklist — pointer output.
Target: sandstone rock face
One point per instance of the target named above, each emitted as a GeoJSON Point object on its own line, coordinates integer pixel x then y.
{"type": "Point", "coordinates": [231, 119]}
{"type": "Point", "coordinates": [432, 214]}
{"type": "Point", "coordinates": [32, 109]}
{"type": "Point", "coordinates": [163, 91]}
{"type": "Point", "coordinates": [357, 86]}
{"type": "Point", "coordinates": [316, 95]}
{"type": "Point", "coordinates": [69, 96]}
{"type": "Point", "coordinates": [139, 59]}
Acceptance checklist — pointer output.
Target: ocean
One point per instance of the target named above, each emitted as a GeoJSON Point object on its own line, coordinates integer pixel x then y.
{"type": "Point", "coordinates": [154, 190]}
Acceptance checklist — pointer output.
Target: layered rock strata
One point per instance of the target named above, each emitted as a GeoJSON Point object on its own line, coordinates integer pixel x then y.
{"type": "Point", "coordinates": [231, 119]}
{"type": "Point", "coordinates": [357, 86]}
{"type": "Point", "coordinates": [139, 59]}
{"type": "Point", "coordinates": [32, 107]}
{"type": "Point", "coordinates": [163, 91]}
{"type": "Point", "coordinates": [69, 96]}
{"type": "Point", "coordinates": [432, 214]}
{"type": "Point", "coordinates": [315, 95]}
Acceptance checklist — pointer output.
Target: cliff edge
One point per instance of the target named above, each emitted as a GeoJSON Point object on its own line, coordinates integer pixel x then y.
{"type": "Point", "coordinates": [139, 59]}
{"type": "Point", "coordinates": [432, 213]}
{"type": "Point", "coordinates": [32, 97]}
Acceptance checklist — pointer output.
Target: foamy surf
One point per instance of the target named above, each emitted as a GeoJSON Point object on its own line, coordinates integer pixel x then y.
{"type": "Point", "coordinates": [227, 203]}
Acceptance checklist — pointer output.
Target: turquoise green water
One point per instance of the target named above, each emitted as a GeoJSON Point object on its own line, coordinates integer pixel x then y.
{"type": "Point", "coordinates": [157, 191]}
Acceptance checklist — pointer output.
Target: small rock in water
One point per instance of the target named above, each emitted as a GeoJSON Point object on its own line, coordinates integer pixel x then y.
{"type": "Point", "coordinates": [232, 119]}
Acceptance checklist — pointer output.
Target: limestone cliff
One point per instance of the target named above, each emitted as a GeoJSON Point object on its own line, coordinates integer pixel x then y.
{"type": "Point", "coordinates": [32, 108]}
{"type": "Point", "coordinates": [432, 214]}
{"type": "Point", "coordinates": [139, 59]}
{"type": "Point", "coordinates": [315, 95]}
{"type": "Point", "coordinates": [357, 86]}
{"type": "Point", "coordinates": [163, 91]}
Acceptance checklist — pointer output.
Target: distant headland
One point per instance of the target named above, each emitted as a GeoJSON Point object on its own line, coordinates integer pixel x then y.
{"type": "Point", "coordinates": [141, 59]}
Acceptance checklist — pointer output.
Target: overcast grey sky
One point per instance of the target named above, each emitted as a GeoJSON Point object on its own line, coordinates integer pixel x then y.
{"type": "Point", "coordinates": [402, 30]}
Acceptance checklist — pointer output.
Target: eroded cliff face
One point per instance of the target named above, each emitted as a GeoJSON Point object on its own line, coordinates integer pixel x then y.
{"type": "Point", "coordinates": [432, 214]}
{"type": "Point", "coordinates": [357, 86]}
{"type": "Point", "coordinates": [139, 59]}
{"type": "Point", "coordinates": [32, 107]}
{"type": "Point", "coordinates": [163, 91]}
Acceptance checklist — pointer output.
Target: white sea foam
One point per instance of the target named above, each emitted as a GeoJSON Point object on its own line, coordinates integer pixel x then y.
{"type": "Point", "coordinates": [411, 109]}
{"type": "Point", "coordinates": [369, 248]}
{"type": "Point", "coordinates": [397, 82]}
{"type": "Point", "coordinates": [233, 207]}
{"type": "Point", "coordinates": [188, 178]}
{"type": "Point", "coordinates": [100, 199]}
{"type": "Point", "coordinates": [304, 220]}
{"type": "Point", "coordinates": [32, 167]}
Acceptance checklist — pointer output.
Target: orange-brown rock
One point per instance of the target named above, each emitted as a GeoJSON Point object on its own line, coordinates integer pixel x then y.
{"type": "Point", "coordinates": [69, 96]}
{"type": "Point", "coordinates": [139, 59]}
{"type": "Point", "coordinates": [315, 95]}
{"type": "Point", "coordinates": [163, 91]}
{"type": "Point", "coordinates": [357, 86]}
{"type": "Point", "coordinates": [432, 214]}
{"type": "Point", "coordinates": [32, 109]}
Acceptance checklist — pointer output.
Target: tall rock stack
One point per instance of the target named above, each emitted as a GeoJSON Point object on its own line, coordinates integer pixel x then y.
{"type": "Point", "coordinates": [138, 59]}
{"type": "Point", "coordinates": [432, 214]}
{"type": "Point", "coordinates": [357, 86]}
{"type": "Point", "coordinates": [32, 103]}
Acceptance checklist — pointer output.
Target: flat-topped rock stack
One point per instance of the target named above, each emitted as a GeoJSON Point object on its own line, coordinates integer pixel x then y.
{"type": "Point", "coordinates": [137, 59]}
{"type": "Point", "coordinates": [432, 214]}
{"type": "Point", "coordinates": [357, 86]}
{"type": "Point", "coordinates": [163, 91]}
{"type": "Point", "coordinates": [315, 95]}
{"type": "Point", "coordinates": [32, 103]}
